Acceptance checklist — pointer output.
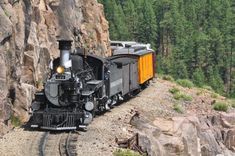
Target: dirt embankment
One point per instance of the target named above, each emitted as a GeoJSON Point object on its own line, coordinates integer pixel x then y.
{"type": "Point", "coordinates": [163, 130]}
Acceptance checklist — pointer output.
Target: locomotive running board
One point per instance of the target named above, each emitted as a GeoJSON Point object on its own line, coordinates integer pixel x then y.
{"type": "Point", "coordinates": [59, 128]}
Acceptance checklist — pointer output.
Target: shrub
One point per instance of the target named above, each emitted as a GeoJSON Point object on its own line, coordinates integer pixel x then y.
{"type": "Point", "coordinates": [215, 80]}
{"type": "Point", "coordinates": [182, 96]}
{"type": "Point", "coordinates": [185, 83]}
{"type": "Point", "coordinates": [125, 152]}
{"type": "Point", "coordinates": [219, 106]}
{"type": "Point", "coordinates": [198, 77]}
{"type": "Point", "coordinates": [214, 95]}
{"type": "Point", "coordinates": [208, 88]}
{"type": "Point", "coordinates": [178, 108]}
{"type": "Point", "coordinates": [174, 90]}
{"type": "Point", "coordinates": [232, 102]}
{"type": "Point", "coordinates": [15, 121]}
{"type": "Point", "coordinates": [179, 68]}
{"type": "Point", "coordinates": [167, 77]}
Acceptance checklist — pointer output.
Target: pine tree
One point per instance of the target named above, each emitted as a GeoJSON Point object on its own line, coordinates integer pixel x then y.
{"type": "Point", "coordinates": [195, 39]}
{"type": "Point", "coordinates": [119, 23]}
{"type": "Point", "coordinates": [214, 79]}
{"type": "Point", "coordinates": [130, 18]}
{"type": "Point", "coordinates": [109, 6]}
{"type": "Point", "coordinates": [198, 77]}
{"type": "Point", "coordinates": [147, 26]}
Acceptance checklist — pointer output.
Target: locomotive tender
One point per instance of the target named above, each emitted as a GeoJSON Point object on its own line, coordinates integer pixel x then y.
{"type": "Point", "coordinates": [80, 85]}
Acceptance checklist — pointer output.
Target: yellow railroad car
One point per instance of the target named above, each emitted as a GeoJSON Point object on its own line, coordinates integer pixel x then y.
{"type": "Point", "coordinates": [146, 67]}
{"type": "Point", "coordinates": [146, 61]}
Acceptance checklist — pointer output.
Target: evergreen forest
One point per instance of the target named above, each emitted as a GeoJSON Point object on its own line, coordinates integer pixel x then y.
{"type": "Point", "coordinates": [194, 39]}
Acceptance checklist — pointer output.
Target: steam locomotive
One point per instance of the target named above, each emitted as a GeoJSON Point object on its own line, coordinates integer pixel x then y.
{"type": "Point", "coordinates": [80, 86]}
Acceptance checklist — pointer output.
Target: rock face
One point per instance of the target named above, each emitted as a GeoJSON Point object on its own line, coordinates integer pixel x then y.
{"type": "Point", "coordinates": [28, 40]}
{"type": "Point", "coordinates": [188, 136]}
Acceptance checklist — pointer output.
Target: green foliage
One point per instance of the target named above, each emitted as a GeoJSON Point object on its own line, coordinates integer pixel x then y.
{"type": "Point", "coordinates": [15, 121]}
{"type": "Point", "coordinates": [185, 83]}
{"type": "Point", "coordinates": [194, 39]}
{"type": "Point", "coordinates": [208, 88]}
{"type": "Point", "coordinates": [178, 108]}
{"type": "Point", "coordinates": [214, 95]}
{"type": "Point", "coordinates": [174, 90]}
{"type": "Point", "coordinates": [180, 70]}
{"type": "Point", "coordinates": [198, 77]}
{"type": "Point", "coordinates": [164, 65]}
{"type": "Point", "coordinates": [182, 96]}
{"type": "Point", "coordinates": [122, 152]}
{"type": "Point", "coordinates": [214, 80]}
{"type": "Point", "coordinates": [119, 24]}
{"type": "Point", "coordinates": [179, 95]}
{"type": "Point", "coordinates": [130, 19]}
{"type": "Point", "coordinates": [168, 78]}
{"type": "Point", "coordinates": [219, 106]}
{"type": "Point", "coordinates": [147, 24]}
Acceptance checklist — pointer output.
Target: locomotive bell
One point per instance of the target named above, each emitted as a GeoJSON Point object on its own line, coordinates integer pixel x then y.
{"type": "Point", "coordinates": [65, 49]}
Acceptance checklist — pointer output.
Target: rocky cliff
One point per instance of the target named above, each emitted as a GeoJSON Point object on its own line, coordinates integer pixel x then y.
{"type": "Point", "coordinates": [211, 135]}
{"type": "Point", "coordinates": [29, 30]}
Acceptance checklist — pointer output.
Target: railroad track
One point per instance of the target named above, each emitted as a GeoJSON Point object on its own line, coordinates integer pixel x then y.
{"type": "Point", "coordinates": [58, 144]}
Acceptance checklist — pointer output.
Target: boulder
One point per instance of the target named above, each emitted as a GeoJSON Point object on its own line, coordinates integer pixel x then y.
{"type": "Point", "coordinates": [187, 136]}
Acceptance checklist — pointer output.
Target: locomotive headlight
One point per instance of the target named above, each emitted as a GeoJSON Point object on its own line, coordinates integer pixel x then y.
{"type": "Point", "coordinates": [60, 70]}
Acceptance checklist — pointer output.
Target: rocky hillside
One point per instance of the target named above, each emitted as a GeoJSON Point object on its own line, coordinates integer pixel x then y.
{"type": "Point", "coordinates": [28, 40]}
{"type": "Point", "coordinates": [165, 126]}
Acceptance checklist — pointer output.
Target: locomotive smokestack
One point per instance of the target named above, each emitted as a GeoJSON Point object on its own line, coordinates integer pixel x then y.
{"type": "Point", "coordinates": [65, 49]}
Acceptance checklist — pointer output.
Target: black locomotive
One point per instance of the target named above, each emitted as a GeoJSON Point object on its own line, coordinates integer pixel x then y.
{"type": "Point", "coordinates": [81, 85]}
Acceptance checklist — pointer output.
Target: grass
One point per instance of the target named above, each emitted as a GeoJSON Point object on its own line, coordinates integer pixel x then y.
{"type": "Point", "coordinates": [125, 152]}
{"type": "Point", "coordinates": [15, 121]}
{"type": "Point", "coordinates": [174, 90]}
{"type": "Point", "coordinates": [182, 96]}
{"type": "Point", "coordinates": [185, 83]}
{"type": "Point", "coordinates": [178, 108]}
{"type": "Point", "coordinates": [168, 78]}
{"type": "Point", "coordinates": [179, 95]}
{"type": "Point", "coordinates": [208, 88]}
{"type": "Point", "coordinates": [220, 106]}
{"type": "Point", "coordinates": [214, 95]}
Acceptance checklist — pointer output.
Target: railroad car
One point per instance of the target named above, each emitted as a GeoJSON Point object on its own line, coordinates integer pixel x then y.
{"type": "Point", "coordinates": [146, 61]}
{"type": "Point", "coordinates": [80, 86]}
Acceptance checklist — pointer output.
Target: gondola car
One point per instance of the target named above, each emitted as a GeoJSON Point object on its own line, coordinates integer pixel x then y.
{"type": "Point", "coordinates": [80, 86]}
